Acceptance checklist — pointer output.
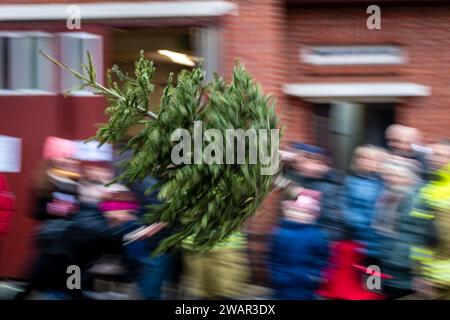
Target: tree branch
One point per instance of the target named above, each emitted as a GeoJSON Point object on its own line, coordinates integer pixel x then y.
{"type": "Point", "coordinates": [91, 82]}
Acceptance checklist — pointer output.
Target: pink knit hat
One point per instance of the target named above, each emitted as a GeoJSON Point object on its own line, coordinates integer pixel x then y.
{"type": "Point", "coordinates": [107, 206]}
{"type": "Point", "coordinates": [55, 147]}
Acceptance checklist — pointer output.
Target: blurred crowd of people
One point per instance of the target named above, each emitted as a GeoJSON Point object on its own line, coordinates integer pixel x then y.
{"type": "Point", "coordinates": [84, 220]}
{"type": "Point", "coordinates": [90, 224]}
{"type": "Point", "coordinates": [379, 232]}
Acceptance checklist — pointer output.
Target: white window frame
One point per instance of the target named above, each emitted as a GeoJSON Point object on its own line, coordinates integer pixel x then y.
{"type": "Point", "coordinates": [75, 60]}
{"type": "Point", "coordinates": [37, 62]}
{"type": "Point", "coordinates": [397, 55]}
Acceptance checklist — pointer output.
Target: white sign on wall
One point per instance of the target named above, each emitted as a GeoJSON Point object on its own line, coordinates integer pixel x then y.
{"type": "Point", "coordinates": [10, 154]}
{"type": "Point", "coordinates": [90, 151]}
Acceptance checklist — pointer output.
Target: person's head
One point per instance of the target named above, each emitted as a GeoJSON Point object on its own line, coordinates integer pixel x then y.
{"type": "Point", "coordinates": [287, 157]}
{"type": "Point", "coordinates": [119, 211]}
{"type": "Point", "coordinates": [400, 139]}
{"type": "Point", "coordinates": [57, 148]}
{"type": "Point", "coordinates": [305, 209]}
{"type": "Point", "coordinates": [66, 167]}
{"type": "Point", "coordinates": [97, 171]}
{"type": "Point", "coordinates": [59, 154]}
{"type": "Point", "coordinates": [91, 193]}
{"type": "Point", "coordinates": [366, 159]}
{"type": "Point", "coordinates": [440, 155]}
{"type": "Point", "coordinates": [311, 161]}
{"type": "Point", "coordinates": [399, 174]}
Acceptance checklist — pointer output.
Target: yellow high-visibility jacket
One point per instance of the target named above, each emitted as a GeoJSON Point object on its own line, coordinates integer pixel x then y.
{"type": "Point", "coordinates": [434, 260]}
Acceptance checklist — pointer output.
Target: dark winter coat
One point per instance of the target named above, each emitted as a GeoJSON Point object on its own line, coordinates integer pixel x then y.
{"type": "Point", "coordinates": [394, 228]}
{"type": "Point", "coordinates": [139, 189]}
{"type": "Point", "coordinates": [80, 240]}
{"type": "Point", "coordinates": [54, 185]}
{"type": "Point", "coordinates": [92, 236]}
{"type": "Point", "coordinates": [299, 252]}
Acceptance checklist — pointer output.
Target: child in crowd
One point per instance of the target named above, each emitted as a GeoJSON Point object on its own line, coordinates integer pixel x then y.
{"type": "Point", "coordinates": [311, 170]}
{"type": "Point", "coordinates": [299, 249]}
{"type": "Point", "coordinates": [394, 228]}
{"type": "Point", "coordinates": [357, 203]}
{"type": "Point", "coordinates": [360, 193]}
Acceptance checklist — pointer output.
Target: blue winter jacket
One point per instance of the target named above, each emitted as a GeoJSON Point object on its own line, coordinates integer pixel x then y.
{"type": "Point", "coordinates": [358, 199]}
{"type": "Point", "coordinates": [299, 253]}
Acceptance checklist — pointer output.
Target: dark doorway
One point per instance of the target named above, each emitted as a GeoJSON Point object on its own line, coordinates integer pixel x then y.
{"type": "Point", "coordinates": [342, 126]}
{"type": "Point", "coordinates": [377, 117]}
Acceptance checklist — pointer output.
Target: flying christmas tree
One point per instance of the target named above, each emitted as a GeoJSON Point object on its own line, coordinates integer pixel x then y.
{"type": "Point", "coordinates": [205, 201]}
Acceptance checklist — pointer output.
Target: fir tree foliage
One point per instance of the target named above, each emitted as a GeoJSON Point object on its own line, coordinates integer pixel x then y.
{"type": "Point", "coordinates": [205, 202]}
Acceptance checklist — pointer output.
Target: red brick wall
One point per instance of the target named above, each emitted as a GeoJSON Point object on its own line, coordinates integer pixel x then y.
{"type": "Point", "coordinates": [257, 38]}
{"type": "Point", "coordinates": [423, 31]}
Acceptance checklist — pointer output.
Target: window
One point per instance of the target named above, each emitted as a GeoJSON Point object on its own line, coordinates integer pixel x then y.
{"type": "Point", "coordinates": [352, 55]}
{"type": "Point", "coordinates": [74, 46]}
{"type": "Point", "coordinates": [22, 68]}
{"type": "Point", "coordinates": [21, 65]}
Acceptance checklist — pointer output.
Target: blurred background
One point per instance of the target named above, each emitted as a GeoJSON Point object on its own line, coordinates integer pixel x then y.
{"type": "Point", "coordinates": [338, 84]}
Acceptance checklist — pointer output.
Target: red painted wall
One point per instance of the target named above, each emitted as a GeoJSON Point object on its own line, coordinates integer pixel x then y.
{"type": "Point", "coordinates": [33, 119]}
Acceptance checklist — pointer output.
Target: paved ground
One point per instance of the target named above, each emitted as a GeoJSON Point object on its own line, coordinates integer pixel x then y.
{"type": "Point", "coordinates": [116, 291]}
{"type": "Point", "coordinates": [8, 289]}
